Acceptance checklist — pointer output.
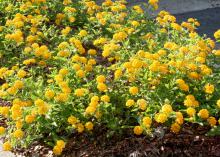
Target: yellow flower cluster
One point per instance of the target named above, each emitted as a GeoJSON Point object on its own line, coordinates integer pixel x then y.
{"type": "Point", "coordinates": [147, 121]}
{"type": "Point", "coordinates": [182, 85]}
{"type": "Point", "coordinates": [138, 130]}
{"type": "Point", "coordinates": [58, 148]}
{"type": "Point", "coordinates": [203, 113]}
{"type": "Point", "coordinates": [7, 146]}
{"type": "Point", "coordinates": [42, 107]}
{"type": "Point", "coordinates": [191, 111]}
{"type": "Point", "coordinates": [154, 3]}
{"type": "Point", "coordinates": [209, 88]}
{"type": "Point", "coordinates": [190, 101]}
{"type": "Point", "coordinates": [217, 34]}
{"type": "Point", "coordinates": [77, 44]}
{"type": "Point", "coordinates": [4, 111]}
{"type": "Point", "coordinates": [2, 130]}
{"type": "Point", "coordinates": [18, 133]}
{"type": "Point", "coordinates": [16, 36]}
{"type": "Point", "coordinates": [91, 109]}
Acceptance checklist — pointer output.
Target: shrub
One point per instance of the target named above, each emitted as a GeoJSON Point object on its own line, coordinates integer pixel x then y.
{"type": "Point", "coordinates": [71, 66]}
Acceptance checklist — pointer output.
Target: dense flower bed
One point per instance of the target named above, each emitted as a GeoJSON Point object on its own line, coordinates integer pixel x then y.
{"type": "Point", "coordinates": [69, 66]}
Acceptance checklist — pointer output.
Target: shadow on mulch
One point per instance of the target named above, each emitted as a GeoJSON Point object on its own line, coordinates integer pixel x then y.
{"type": "Point", "coordinates": [191, 142]}
{"type": "Point", "coordinates": [185, 144]}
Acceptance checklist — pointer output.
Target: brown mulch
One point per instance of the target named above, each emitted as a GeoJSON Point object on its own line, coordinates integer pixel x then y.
{"type": "Point", "coordinates": [163, 144]}
{"type": "Point", "coordinates": [191, 142]}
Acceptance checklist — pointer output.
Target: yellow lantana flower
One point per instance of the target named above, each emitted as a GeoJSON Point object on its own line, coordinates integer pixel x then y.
{"type": "Point", "coordinates": [209, 88]}
{"type": "Point", "coordinates": [138, 130]}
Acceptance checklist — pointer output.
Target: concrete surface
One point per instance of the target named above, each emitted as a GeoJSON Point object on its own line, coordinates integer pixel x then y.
{"type": "Point", "coordinates": [208, 18]}
{"type": "Point", "coordinates": [181, 6]}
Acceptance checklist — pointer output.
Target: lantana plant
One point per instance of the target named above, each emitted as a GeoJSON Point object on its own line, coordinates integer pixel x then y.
{"type": "Point", "coordinates": [69, 66]}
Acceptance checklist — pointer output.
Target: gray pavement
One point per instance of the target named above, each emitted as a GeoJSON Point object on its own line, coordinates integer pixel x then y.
{"type": "Point", "coordinates": [208, 18]}
{"type": "Point", "coordinates": [179, 6]}
{"type": "Point", "coordinates": [182, 6]}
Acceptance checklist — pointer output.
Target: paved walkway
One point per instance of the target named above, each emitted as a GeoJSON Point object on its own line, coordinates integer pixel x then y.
{"type": "Point", "coordinates": [209, 19]}
{"type": "Point", "coordinates": [179, 6]}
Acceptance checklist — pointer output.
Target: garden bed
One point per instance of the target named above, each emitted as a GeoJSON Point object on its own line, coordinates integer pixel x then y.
{"type": "Point", "coordinates": [82, 79]}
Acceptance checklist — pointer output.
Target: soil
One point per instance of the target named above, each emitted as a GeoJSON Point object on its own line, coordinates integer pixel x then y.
{"type": "Point", "coordinates": [189, 143]}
